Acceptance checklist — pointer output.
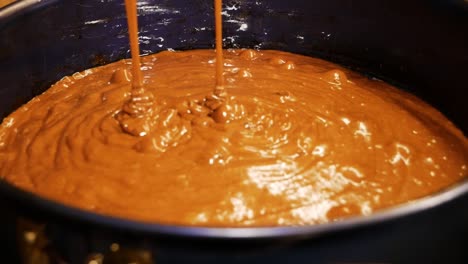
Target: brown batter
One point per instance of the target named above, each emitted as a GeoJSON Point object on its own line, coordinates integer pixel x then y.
{"type": "Point", "coordinates": [309, 142]}
{"type": "Point", "coordinates": [282, 139]}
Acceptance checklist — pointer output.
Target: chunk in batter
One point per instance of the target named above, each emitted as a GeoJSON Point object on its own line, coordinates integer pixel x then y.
{"type": "Point", "coordinates": [297, 141]}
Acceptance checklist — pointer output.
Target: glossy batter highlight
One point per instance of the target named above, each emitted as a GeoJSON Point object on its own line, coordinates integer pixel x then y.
{"type": "Point", "coordinates": [303, 142]}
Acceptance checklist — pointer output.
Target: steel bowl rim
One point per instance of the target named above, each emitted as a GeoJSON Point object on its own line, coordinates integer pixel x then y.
{"type": "Point", "coordinates": [19, 8]}
{"type": "Point", "coordinates": [279, 232]}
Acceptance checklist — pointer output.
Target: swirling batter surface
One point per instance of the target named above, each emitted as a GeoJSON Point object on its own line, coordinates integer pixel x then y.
{"type": "Point", "coordinates": [297, 141]}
